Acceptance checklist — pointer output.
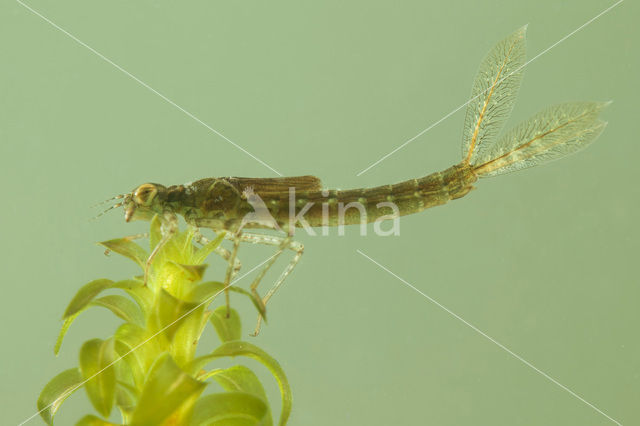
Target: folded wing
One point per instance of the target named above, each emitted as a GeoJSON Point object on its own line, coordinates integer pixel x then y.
{"type": "Point", "coordinates": [279, 184]}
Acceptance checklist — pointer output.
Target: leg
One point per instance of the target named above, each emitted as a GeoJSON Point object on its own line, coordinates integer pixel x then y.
{"type": "Point", "coordinates": [230, 267]}
{"type": "Point", "coordinates": [299, 249]}
{"type": "Point", "coordinates": [282, 243]}
{"type": "Point", "coordinates": [220, 251]}
{"type": "Point", "coordinates": [137, 236]}
{"type": "Point", "coordinates": [254, 285]}
{"type": "Point", "coordinates": [233, 264]}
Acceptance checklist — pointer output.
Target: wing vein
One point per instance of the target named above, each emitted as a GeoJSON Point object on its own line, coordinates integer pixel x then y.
{"type": "Point", "coordinates": [486, 103]}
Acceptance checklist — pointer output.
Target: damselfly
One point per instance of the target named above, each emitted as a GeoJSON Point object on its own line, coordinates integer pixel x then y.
{"type": "Point", "coordinates": [233, 204]}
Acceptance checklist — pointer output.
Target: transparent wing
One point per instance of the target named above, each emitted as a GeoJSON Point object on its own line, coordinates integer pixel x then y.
{"type": "Point", "coordinates": [551, 134]}
{"type": "Point", "coordinates": [493, 94]}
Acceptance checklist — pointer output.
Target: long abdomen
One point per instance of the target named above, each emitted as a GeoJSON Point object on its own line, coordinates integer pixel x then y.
{"type": "Point", "coordinates": [335, 207]}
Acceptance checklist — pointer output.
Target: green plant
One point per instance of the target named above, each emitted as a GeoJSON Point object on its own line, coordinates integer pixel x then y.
{"type": "Point", "coordinates": [148, 369]}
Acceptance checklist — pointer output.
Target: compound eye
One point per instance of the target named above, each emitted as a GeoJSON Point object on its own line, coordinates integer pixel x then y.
{"type": "Point", "coordinates": [144, 194]}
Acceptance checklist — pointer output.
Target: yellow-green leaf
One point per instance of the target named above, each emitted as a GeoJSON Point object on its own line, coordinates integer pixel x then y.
{"type": "Point", "coordinates": [241, 379]}
{"type": "Point", "coordinates": [136, 348]}
{"type": "Point", "coordinates": [96, 359]}
{"type": "Point", "coordinates": [138, 291]}
{"type": "Point", "coordinates": [204, 251]}
{"type": "Point", "coordinates": [84, 298]}
{"type": "Point", "coordinates": [130, 369]}
{"type": "Point", "coordinates": [168, 390]}
{"type": "Point", "coordinates": [127, 248]}
{"type": "Point", "coordinates": [228, 326]}
{"type": "Point", "coordinates": [239, 348]}
{"type": "Point", "coordinates": [86, 295]}
{"type": "Point", "coordinates": [229, 409]}
{"type": "Point", "coordinates": [171, 312]}
{"type": "Point", "coordinates": [185, 340]}
{"type": "Point", "coordinates": [63, 332]}
{"type": "Point", "coordinates": [210, 289]}
{"type": "Point", "coordinates": [126, 400]}
{"type": "Point", "coordinates": [56, 391]}
{"type": "Point", "coordinates": [194, 273]}
{"type": "Point", "coordinates": [121, 307]}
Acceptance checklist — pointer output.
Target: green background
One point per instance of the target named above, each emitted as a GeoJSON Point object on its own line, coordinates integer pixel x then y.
{"type": "Point", "coordinates": [543, 261]}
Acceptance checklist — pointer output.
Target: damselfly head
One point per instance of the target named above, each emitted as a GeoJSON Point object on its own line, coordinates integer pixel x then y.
{"type": "Point", "coordinates": [144, 202]}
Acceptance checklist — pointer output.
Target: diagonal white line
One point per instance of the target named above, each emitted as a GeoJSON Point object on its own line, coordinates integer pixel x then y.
{"type": "Point", "coordinates": [207, 300]}
{"type": "Point", "coordinates": [407, 142]}
{"type": "Point", "coordinates": [491, 339]}
{"type": "Point", "coordinates": [142, 83]}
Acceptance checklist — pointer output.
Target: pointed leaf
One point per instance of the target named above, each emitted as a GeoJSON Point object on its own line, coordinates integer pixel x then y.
{"type": "Point", "coordinates": [126, 400]}
{"type": "Point", "coordinates": [56, 391]}
{"type": "Point", "coordinates": [128, 371]}
{"type": "Point", "coordinates": [83, 299]}
{"type": "Point", "coordinates": [179, 247]}
{"type": "Point", "coordinates": [241, 379]}
{"type": "Point", "coordinates": [203, 252]}
{"type": "Point", "coordinates": [138, 291]}
{"type": "Point", "coordinates": [184, 241]}
{"type": "Point", "coordinates": [86, 295]}
{"type": "Point", "coordinates": [63, 331]}
{"type": "Point", "coordinates": [228, 326]}
{"type": "Point", "coordinates": [204, 375]}
{"type": "Point", "coordinates": [96, 359]}
{"type": "Point", "coordinates": [168, 390]}
{"type": "Point", "coordinates": [130, 367]}
{"type": "Point", "coordinates": [206, 291]}
{"type": "Point", "coordinates": [171, 312]}
{"type": "Point", "coordinates": [127, 248]}
{"type": "Point", "coordinates": [238, 348]}
{"type": "Point", "coordinates": [136, 349]}
{"type": "Point", "coordinates": [185, 341]}
{"type": "Point", "coordinates": [193, 273]}
{"type": "Point", "coordinates": [229, 409]}
{"type": "Point", "coordinates": [121, 307]}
